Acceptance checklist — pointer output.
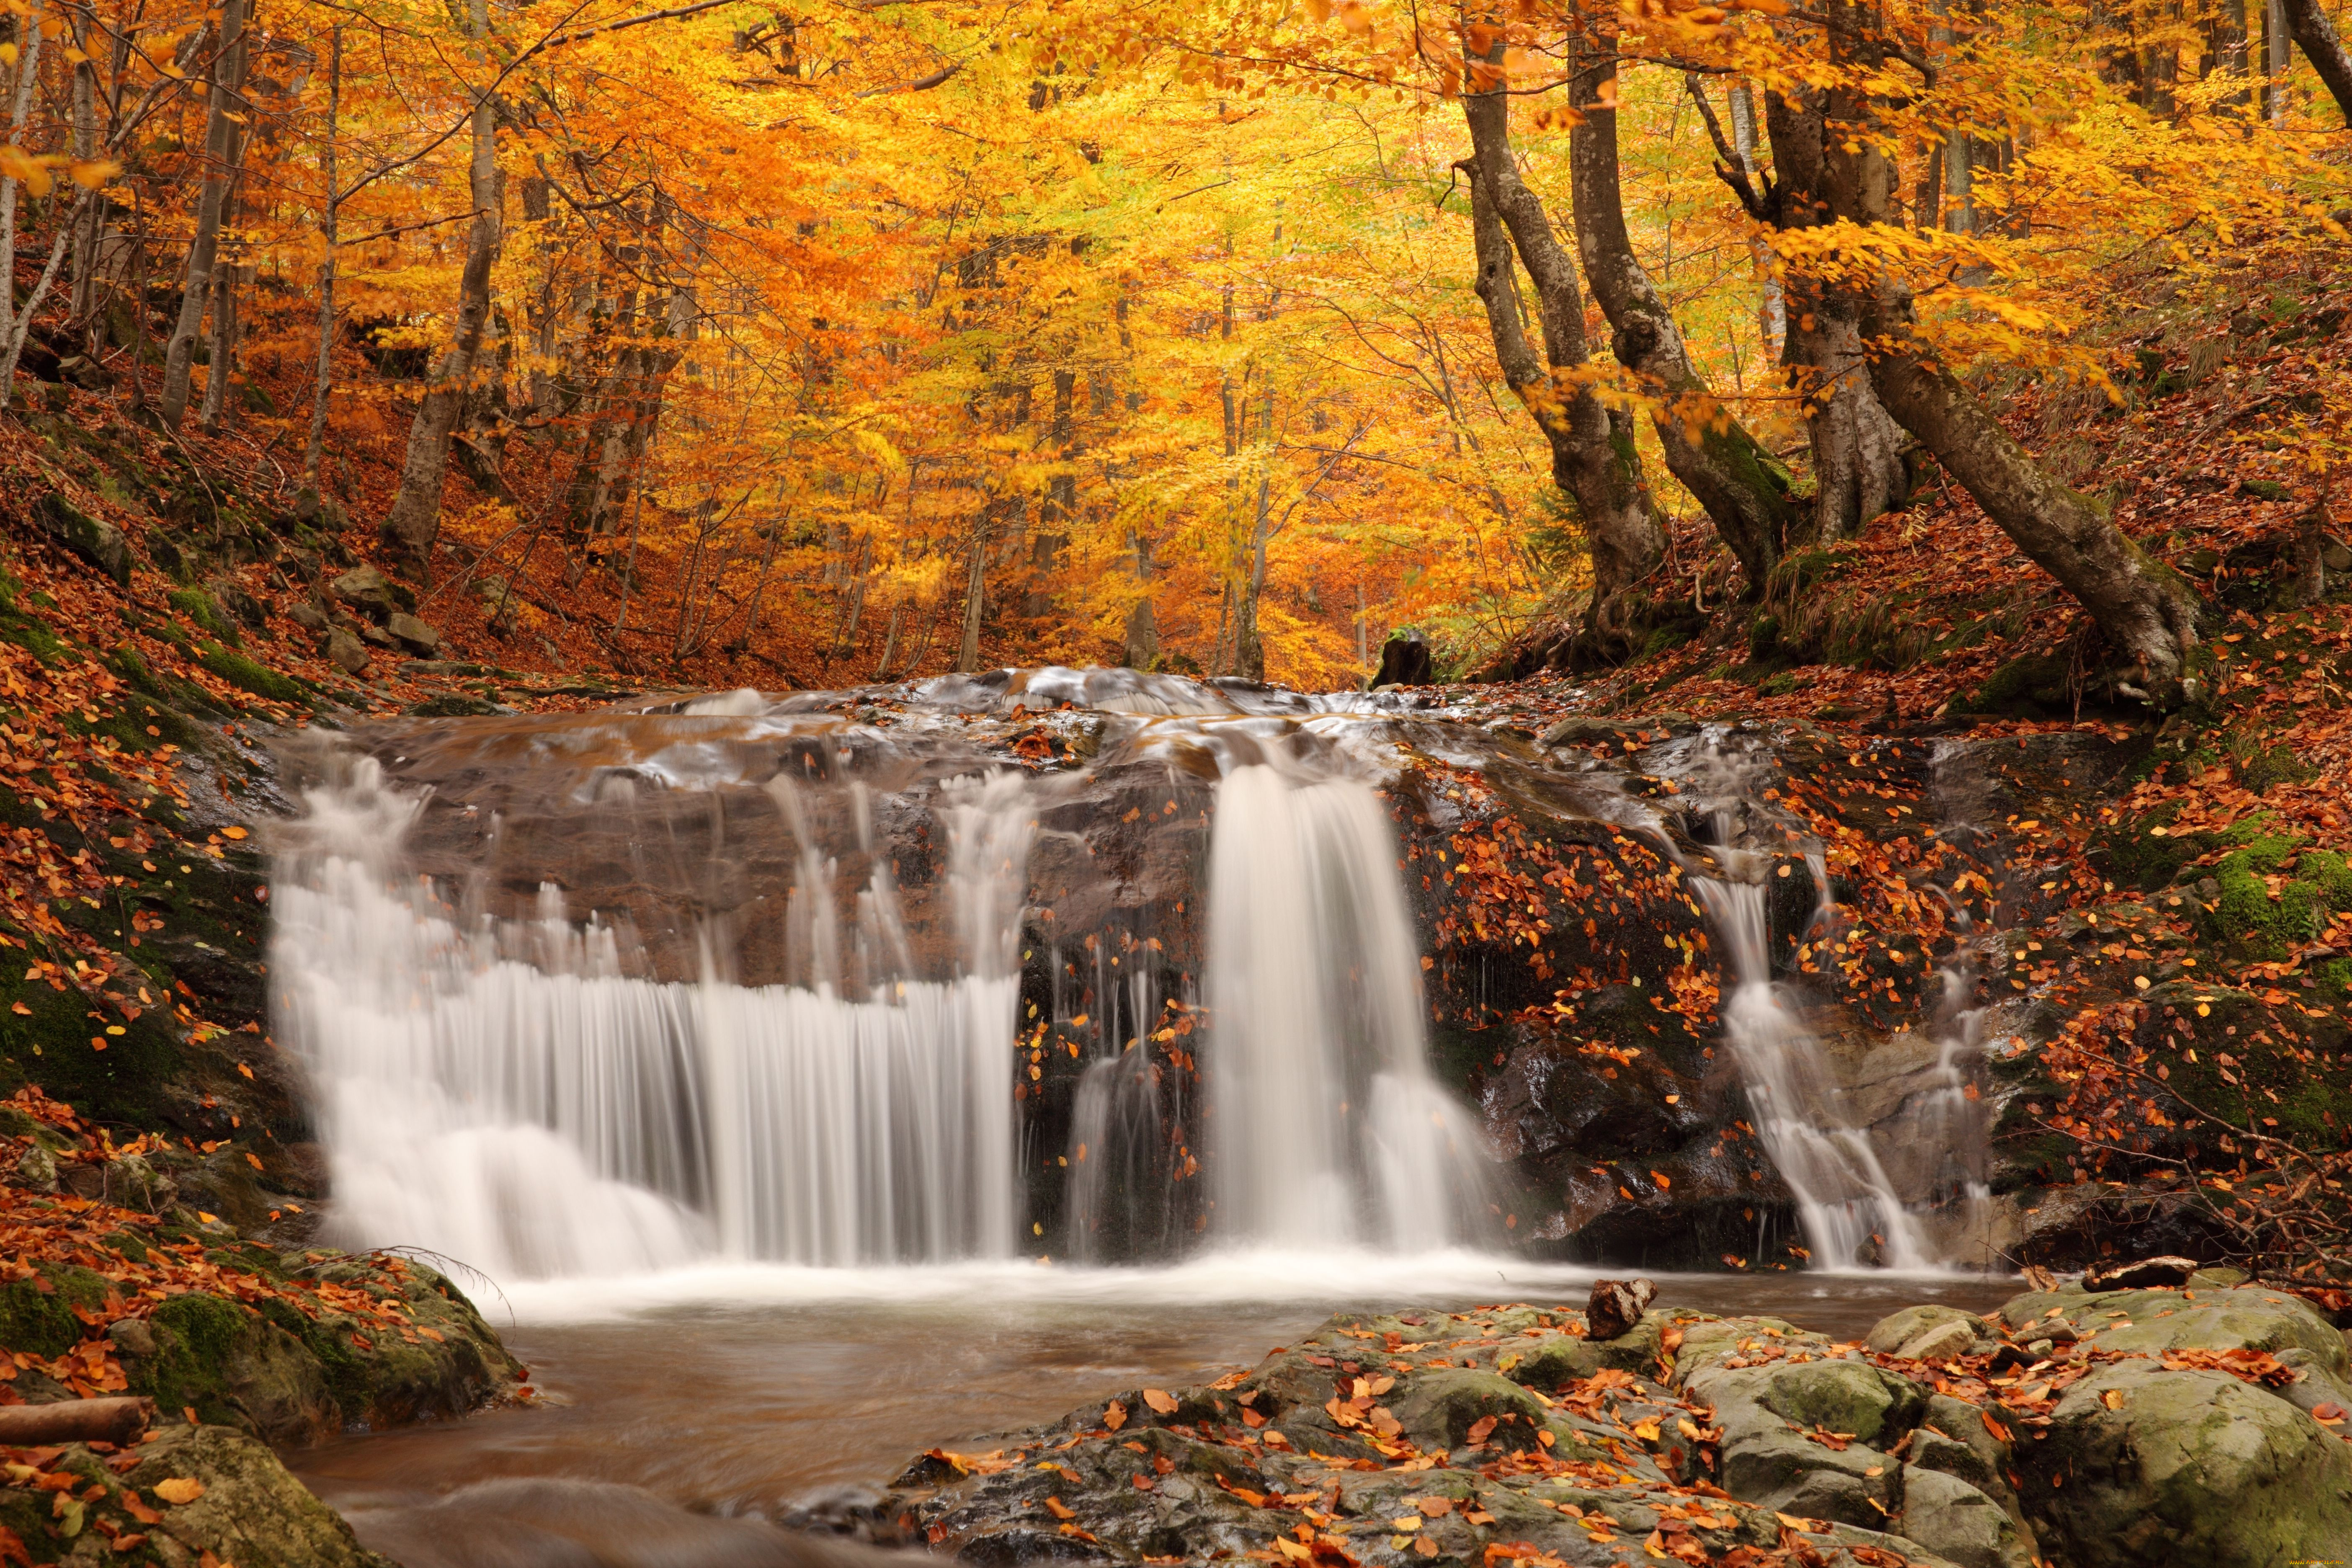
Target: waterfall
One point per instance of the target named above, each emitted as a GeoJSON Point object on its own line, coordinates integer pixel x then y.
{"type": "Point", "coordinates": [1844, 1195]}
{"type": "Point", "coordinates": [514, 1099]}
{"type": "Point", "coordinates": [1327, 1127]}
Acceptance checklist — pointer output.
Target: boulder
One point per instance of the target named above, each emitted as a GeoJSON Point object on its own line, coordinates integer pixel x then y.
{"type": "Point", "coordinates": [1954, 1519]}
{"type": "Point", "coordinates": [1912, 1325]}
{"type": "Point", "coordinates": [347, 653]}
{"type": "Point", "coordinates": [231, 596]}
{"type": "Point", "coordinates": [2143, 1468]}
{"type": "Point", "coordinates": [366, 590]}
{"type": "Point", "coordinates": [100, 544]}
{"type": "Point", "coordinates": [413, 634]}
{"type": "Point", "coordinates": [191, 1494]}
{"type": "Point", "coordinates": [309, 616]}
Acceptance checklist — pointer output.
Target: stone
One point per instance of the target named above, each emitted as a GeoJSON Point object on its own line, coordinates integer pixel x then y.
{"type": "Point", "coordinates": [1615, 1306]}
{"type": "Point", "coordinates": [2335, 555]}
{"type": "Point", "coordinates": [1896, 1330]}
{"type": "Point", "coordinates": [100, 544]}
{"type": "Point", "coordinates": [2186, 1466]}
{"type": "Point", "coordinates": [1846, 1396]}
{"type": "Point", "coordinates": [1954, 1519]}
{"type": "Point", "coordinates": [416, 635]}
{"type": "Point", "coordinates": [366, 590]}
{"type": "Point", "coordinates": [347, 653]}
{"type": "Point", "coordinates": [38, 1168]}
{"type": "Point", "coordinates": [231, 596]}
{"type": "Point", "coordinates": [309, 616]}
{"type": "Point", "coordinates": [2142, 1274]}
{"type": "Point", "coordinates": [1942, 1343]}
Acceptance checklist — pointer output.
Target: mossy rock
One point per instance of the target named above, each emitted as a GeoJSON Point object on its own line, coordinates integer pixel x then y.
{"type": "Point", "coordinates": [231, 1367]}
{"type": "Point", "coordinates": [2267, 918]}
{"type": "Point", "coordinates": [205, 611]}
{"type": "Point", "coordinates": [2031, 685]}
{"type": "Point", "coordinates": [243, 673]}
{"type": "Point", "coordinates": [42, 1321]}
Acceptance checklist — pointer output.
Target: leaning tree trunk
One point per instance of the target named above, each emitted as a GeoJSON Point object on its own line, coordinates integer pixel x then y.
{"type": "Point", "coordinates": [2146, 610]}
{"type": "Point", "coordinates": [1593, 458]}
{"type": "Point", "coordinates": [1708, 450]}
{"type": "Point", "coordinates": [414, 520]}
{"type": "Point", "coordinates": [1858, 467]}
{"type": "Point", "coordinates": [204, 247]}
{"type": "Point", "coordinates": [2307, 21]}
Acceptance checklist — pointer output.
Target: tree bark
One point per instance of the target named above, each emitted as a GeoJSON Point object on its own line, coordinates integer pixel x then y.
{"type": "Point", "coordinates": [414, 521]}
{"type": "Point", "coordinates": [975, 589]}
{"type": "Point", "coordinates": [1593, 459]}
{"type": "Point", "coordinates": [204, 247]}
{"type": "Point", "coordinates": [325, 384]}
{"type": "Point", "coordinates": [2145, 609]}
{"type": "Point", "coordinates": [221, 362]}
{"type": "Point", "coordinates": [1706, 449]}
{"type": "Point", "coordinates": [1858, 468]}
{"type": "Point", "coordinates": [2307, 21]}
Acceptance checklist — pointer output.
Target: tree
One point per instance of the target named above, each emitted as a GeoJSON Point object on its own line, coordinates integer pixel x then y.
{"type": "Point", "coordinates": [2147, 610]}
{"type": "Point", "coordinates": [222, 128]}
{"type": "Point", "coordinates": [1594, 460]}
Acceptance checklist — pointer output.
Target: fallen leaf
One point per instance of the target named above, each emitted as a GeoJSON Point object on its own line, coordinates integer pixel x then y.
{"type": "Point", "coordinates": [180, 1490]}
{"type": "Point", "coordinates": [1059, 1508]}
{"type": "Point", "coordinates": [1161, 1400]}
{"type": "Point", "coordinates": [1115, 1415]}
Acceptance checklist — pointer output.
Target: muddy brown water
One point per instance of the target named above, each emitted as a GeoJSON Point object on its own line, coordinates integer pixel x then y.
{"type": "Point", "coordinates": [671, 1436]}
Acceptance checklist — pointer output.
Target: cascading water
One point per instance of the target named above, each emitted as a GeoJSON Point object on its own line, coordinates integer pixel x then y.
{"type": "Point", "coordinates": [1843, 1196]}
{"type": "Point", "coordinates": [1329, 1128]}
{"type": "Point", "coordinates": [513, 1098]}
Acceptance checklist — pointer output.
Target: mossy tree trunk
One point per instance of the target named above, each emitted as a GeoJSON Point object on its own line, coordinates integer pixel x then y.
{"type": "Point", "coordinates": [2146, 610]}
{"type": "Point", "coordinates": [1743, 490]}
{"type": "Point", "coordinates": [1593, 459]}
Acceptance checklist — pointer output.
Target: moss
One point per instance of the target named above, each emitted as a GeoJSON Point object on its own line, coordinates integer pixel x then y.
{"type": "Point", "coordinates": [2267, 906]}
{"type": "Point", "coordinates": [42, 1321]}
{"type": "Point", "coordinates": [2129, 855]}
{"type": "Point", "coordinates": [205, 610]}
{"type": "Point", "coordinates": [2030, 684]}
{"type": "Point", "coordinates": [242, 672]}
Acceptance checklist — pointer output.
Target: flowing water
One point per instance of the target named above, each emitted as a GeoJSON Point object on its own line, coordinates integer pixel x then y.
{"type": "Point", "coordinates": [777, 1059]}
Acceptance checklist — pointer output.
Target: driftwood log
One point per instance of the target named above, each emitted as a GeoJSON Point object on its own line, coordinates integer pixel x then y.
{"type": "Point", "coordinates": [1616, 1306]}
{"type": "Point", "coordinates": [118, 1420]}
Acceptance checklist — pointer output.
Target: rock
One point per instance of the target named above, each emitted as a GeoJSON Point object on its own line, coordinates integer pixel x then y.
{"type": "Point", "coordinates": [100, 544]}
{"type": "Point", "coordinates": [457, 705]}
{"type": "Point", "coordinates": [2144, 1274]}
{"type": "Point", "coordinates": [309, 616]}
{"type": "Point", "coordinates": [1616, 1306]}
{"type": "Point", "coordinates": [231, 596]}
{"type": "Point", "coordinates": [366, 590]}
{"type": "Point", "coordinates": [371, 632]}
{"type": "Point", "coordinates": [38, 1168]}
{"type": "Point", "coordinates": [1899, 1328]}
{"type": "Point", "coordinates": [2186, 1466]}
{"type": "Point", "coordinates": [1942, 1343]}
{"type": "Point", "coordinates": [2151, 1323]}
{"type": "Point", "coordinates": [1404, 661]}
{"type": "Point", "coordinates": [413, 634]}
{"type": "Point", "coordinates": [2335, 555]}
{"type": "Point", "coordinates": [86, 373]}
{"type": "Point", "coordinates": [1955, 1519]}
{"type": "Point", "coordinates": [347, 653]}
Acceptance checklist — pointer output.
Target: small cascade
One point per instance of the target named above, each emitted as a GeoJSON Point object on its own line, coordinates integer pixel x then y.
{"type": "Point", "coordinates": [1326, 1126]}
{"type": "Point", "coordinates": [1844, 1195]}
{"type": "Point", "coordinates": [508, 1093]}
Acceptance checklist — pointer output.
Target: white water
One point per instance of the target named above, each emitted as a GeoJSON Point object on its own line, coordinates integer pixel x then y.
{"type": "Point", "coordinates": [509, 1098]}
{"type": "Point", "coordinates": [1842, 1192]}
{"type": "Point", "coordinates": [1327, 1126]}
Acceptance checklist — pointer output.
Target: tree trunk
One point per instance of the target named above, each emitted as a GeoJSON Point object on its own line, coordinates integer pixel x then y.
{"type": "Point", "coordinates": [2307, 21]}
{"type": "Point", "coordinates": [1593, 459]}
{"type": "Point", "coordinates": [220, 133]}
{"type": "Point", "coordinates": [974, 592]}
{"type": "Point", "coordinates": [414, 521]}
{"type": "Point", "coordinates": [2146, 610]}
{"type": "Point", "coordinates": [1708, 450]}
{"type": "Point", "coordinates": [17, 323]}
{"type": "Point", "coordinates": [327, 221]}
{"type": "Point", "coordinates": [1142, 640]}
{"type": "Point", "coordinates": [221, 362]}
{"type": "Point", "coordinates": [1857, 447]}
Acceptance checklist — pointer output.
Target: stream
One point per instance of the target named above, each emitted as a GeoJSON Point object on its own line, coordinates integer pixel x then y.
{"type": "Point", "coordinates": [759, 1394]}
